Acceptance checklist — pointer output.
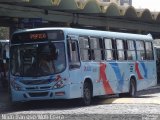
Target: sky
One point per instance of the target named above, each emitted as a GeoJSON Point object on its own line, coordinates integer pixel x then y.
{"type": "Point", "coordinates": [152, 5]}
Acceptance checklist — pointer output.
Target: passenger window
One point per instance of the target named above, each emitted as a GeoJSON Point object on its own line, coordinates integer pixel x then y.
{"type": "Point", "coordinates": [120, 49]}
{"type": "Point", "coordinates": [131, 54]}
{"type": "Point", "coordinates": [149, 51]}
{"type": "Point", "coordinates": [108, 49]}
{"type": "Point", "coordinates": [96, 49]}
{"type": "Point", "coordinates": [84, 48]}
{"type": "Point", "coordinates": [140, 50]}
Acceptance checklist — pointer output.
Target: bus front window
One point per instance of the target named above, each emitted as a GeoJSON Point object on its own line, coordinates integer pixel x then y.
{"type": "Point", "coordinates": [38, 59]}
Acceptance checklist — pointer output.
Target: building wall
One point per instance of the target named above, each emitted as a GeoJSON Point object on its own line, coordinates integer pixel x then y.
{"type": "Point", "coordinates": [109, 1]}
{"type": "Point", "coordinates": [125, 2]}
{"type": "Point", "coordinates": [119, 2]}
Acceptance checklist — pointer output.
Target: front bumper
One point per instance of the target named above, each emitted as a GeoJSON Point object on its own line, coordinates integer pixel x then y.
{"type": "Point", "coordinates": [61, 93]}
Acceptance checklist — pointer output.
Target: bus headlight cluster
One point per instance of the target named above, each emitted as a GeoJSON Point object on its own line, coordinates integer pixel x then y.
{"type": "Point", "coordinates": [16, 86]}
{"type": "Point", "coordinates": [59, 84]}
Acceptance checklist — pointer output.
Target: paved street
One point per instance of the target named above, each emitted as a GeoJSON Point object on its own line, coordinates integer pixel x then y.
{"type": "Point", "coordinates": [145, 107]}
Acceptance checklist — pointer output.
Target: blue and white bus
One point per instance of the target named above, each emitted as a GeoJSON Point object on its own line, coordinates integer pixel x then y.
{"type": "Point", "coordinates": [80, 64]}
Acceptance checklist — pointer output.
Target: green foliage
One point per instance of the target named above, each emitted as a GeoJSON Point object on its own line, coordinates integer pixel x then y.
{"type": "Point", "coordinates": [4, 33]}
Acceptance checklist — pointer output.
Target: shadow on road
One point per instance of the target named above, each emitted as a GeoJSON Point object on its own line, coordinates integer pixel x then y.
{"type": "Point", "coordinates": [152, 90]}
{"type": "Point", "coordinates": [7, 107]}
{"type": "Point", "coordinates": [43, 105]}
{"type": "Point", "coordinates": [146, 96]}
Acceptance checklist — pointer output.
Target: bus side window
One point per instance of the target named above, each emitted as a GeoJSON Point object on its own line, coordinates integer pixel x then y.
{"type": "Point", "coordinates": [85, 51]}
{"type": "Point", "coordinates": [108, 49]}
{"type": "Point", "coordinates": [120, 49]}
{"type": "Point", "coordinates": [131, 54]}
{"type": "Point", "coordinates": [140, 50]}
{"type": "Point", "coordinates": [149, 51]}
{"type": "Point", "coordinates": [74, 61]}
{"type": "Point", "coordinates": [96, 49]}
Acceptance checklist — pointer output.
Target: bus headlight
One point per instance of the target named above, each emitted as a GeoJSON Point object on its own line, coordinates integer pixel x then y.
{"type": "Point", "coordinates": [16, 86]}
{"type": "Point", "coordinates": [59, 84]}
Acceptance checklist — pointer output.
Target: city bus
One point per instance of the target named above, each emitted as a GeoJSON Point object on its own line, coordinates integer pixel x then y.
{"type": "Point", "coordinates": [79, 63]}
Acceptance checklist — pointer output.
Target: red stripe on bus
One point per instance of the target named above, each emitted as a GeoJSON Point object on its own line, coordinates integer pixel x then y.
{"type": "Point", "coordinates": [103, 77]}
{"type": "Point", "coordinates": [138, 71]}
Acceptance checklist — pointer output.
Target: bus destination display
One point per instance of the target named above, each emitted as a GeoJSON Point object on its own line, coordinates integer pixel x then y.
{"type": "Point", "coordinates": [37, 36]}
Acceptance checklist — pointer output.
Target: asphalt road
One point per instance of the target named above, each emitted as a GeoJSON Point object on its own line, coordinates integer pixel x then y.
{"type": "Point", "coordinates": [146, 106]}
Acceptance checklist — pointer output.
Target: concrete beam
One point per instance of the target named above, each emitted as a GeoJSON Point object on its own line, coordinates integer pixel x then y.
{"type": "Point", "coordinates": [87, 20]}
{"type": "Point", "coordinates": [118, 23]}
{"type": "Point", "coordinates": [28, 12]}
{"type": "Point", "coordinates": [14, 1]}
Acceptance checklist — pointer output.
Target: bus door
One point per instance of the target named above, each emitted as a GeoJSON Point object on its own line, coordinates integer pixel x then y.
{"type": "Point", "coordinates": [74, 66]}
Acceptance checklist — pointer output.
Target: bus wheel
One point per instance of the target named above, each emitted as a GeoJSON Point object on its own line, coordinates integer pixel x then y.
{"type": "Point", "coordinates": [87, 93]}
{"type": "Point", "coordinates": [132, 89]}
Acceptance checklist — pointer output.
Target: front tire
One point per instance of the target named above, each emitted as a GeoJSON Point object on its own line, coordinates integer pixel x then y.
{"type": "Point", "coordinates": [87, 94]}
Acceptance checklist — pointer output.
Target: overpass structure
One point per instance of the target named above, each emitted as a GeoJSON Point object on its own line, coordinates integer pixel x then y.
{"type": "Point", "coordinates": [18, 14]}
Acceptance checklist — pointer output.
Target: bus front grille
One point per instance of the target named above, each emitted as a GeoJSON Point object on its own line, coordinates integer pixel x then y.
{"type": "Point", "coordinates": [38, 94]}
{"type": "Point", "coordinates": [38, 88]}
{"type": "Point", "coordinates": [36, 82]}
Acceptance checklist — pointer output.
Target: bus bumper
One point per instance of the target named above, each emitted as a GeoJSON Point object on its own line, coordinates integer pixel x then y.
{"type": "Point", "coordinates": [23, 96]}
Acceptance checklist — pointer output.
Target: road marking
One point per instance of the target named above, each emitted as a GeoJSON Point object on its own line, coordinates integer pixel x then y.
{"type": "Point", "coordinates": [131, 101]}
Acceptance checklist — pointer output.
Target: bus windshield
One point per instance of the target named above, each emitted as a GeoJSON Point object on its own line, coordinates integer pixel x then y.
{"type": "Point", "coordinates": [40, 59]}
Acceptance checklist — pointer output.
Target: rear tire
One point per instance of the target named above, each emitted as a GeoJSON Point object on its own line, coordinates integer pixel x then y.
{"type": "Point", "coordinates": [132, 90]}
{"type": "Point", "coordinates": [87, 94]}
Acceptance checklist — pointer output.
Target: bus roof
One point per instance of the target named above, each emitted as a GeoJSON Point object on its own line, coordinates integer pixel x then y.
{"type": "Point", "coordinates": [98, 33]}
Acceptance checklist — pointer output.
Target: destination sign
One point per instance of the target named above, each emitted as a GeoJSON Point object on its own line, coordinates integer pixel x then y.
{"type": "Point", "coordinates": [37, 36]}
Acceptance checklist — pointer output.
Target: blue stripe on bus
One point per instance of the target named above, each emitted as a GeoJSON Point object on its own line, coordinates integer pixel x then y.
{"type": "Point", "coordinates": [144, 69]}
{"type": "Point", "coordinates": [119, 77]}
